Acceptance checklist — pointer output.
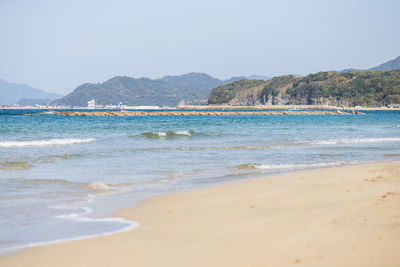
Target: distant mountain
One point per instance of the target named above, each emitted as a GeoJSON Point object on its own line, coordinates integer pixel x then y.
{"type": "Point", "coordinates": [192, 87]}
{"type": "Point", "coordinates": [235, 79]}
{"type": "Point", "coordinates": [11, 93]}
{"type": "Point", "coordinates": [393, 64]}
{"type": "Point", "coordinates": [348, 70]}
{"type": "Point", "coordinates": [33, 101]}
{"type": "Point", "coordinates": [250, 77]}
{"type": "Point", "coordinates": [258, 77]}
{"type": "Point", "coordinates": [200, 84]}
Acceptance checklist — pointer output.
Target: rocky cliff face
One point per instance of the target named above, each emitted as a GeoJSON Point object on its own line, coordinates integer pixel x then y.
{"type": "Point", "coordinates": [254, 92]}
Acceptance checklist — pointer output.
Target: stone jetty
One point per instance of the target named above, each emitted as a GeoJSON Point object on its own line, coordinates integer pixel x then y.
{"type": "Point", "coordinates": [194, 113]}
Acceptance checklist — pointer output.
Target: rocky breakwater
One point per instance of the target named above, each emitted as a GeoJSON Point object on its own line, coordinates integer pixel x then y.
{"type": "Point", "coordinates": [194, 113]}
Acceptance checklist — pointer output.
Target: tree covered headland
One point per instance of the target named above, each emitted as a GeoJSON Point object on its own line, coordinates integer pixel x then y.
{"type": "Point", "coordinates": [355, 88]}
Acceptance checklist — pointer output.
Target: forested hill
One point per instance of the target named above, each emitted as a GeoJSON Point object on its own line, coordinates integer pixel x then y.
{"type": "Point", "coordinates": [127, 90]}
{"type": "Point", "coordinates": [167, 91]}
{"type": "Point", "coordinates": [354, 88]}
{"type": "Point", "coordinates": [200, 84]}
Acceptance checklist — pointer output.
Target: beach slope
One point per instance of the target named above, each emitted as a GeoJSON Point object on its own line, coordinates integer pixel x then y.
{"type": "Point", "coordinates": [346, 216]}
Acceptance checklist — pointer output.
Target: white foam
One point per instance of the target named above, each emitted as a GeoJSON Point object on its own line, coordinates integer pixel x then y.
{"type": "Point", "coordinates": [170, 133]}
{"type": "Point", "coordinates": [86, 211]}
{"type": "Point", "coordinates": [357, 141]}
{"type": "Point", "coordinates": [301, 166]}
{"type": "Point", "coordinates": [49, 142]}
{"type": "Point", "coordinates": [90, 198]}
{"type": "Point", "coordinates": [76, 217]}
{"type": "Point", "coordinates": [98, 186]}
{"type": "Point", "coordinates": [161, 133]}
{"type": "Point", "coordinates": [183, 133]}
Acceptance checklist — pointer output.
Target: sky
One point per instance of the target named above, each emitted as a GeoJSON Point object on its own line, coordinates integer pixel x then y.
{"type": "Point", "coordinates": [57, 45]}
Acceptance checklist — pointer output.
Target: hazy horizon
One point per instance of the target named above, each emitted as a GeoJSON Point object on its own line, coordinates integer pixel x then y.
{"type": "Point", "coordinates": [56, 46]}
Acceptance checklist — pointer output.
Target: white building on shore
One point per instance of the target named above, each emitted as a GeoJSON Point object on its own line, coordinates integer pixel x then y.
{"type": "Point", "coordinates": [91, 104]}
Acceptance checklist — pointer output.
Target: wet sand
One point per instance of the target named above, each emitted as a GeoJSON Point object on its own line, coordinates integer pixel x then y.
{"type": "Point", "coordinates": [346, 216]}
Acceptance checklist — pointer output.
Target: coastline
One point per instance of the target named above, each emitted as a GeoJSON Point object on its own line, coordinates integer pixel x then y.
{"type": "Point", "coordinates": [280, 107]}
{"type": "Point", "coordinates": [341, 216]}
{"type": "Point", "coordinates": [215, 107]}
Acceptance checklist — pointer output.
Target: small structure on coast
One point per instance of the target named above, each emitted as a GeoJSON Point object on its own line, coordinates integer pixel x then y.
{"type": "Point", "coordinates": [394, 106]}
{"type": "Point", "coordinates": [91, 104]}
{"type": "Point", "coordinates": [181, 104]}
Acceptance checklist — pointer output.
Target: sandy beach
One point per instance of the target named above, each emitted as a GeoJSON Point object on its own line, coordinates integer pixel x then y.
{"type": "Point", "coordinates": [345, 216]}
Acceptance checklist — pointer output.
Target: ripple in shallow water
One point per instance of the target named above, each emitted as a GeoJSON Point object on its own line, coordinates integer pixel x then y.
{"type": "Point", "coordinates": [15, 166]}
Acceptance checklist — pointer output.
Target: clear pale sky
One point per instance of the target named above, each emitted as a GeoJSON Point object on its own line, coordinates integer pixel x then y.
{"type": "Point", "coordinates": [57, 45]}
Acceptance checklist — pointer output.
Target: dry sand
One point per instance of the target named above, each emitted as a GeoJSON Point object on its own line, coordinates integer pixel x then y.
{"type": "Point", "coordinates": [347, 216]}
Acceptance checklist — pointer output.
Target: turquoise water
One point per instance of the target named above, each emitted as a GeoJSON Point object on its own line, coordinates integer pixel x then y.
{"type": "Point", "coordinates": [60, 176]}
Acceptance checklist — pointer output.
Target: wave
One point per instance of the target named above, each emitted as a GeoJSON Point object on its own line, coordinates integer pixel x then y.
{"type": "Point", "coordinates": [49, 142]}
{"type": "Point", "coordinates": [68, 156]}
{"type": "Point", "coordinates": [98, 186]}
{"type": "Point", "coordinates": [311, 143]}
{"type": "Point", "coordinates": [315, 143]}
{"type": "Point", "coordinates": [391, 155]}
{"type": "Point", "coordinates": [95, 186]}
{"type": "Point", "coordinates": [169, 134]}
{"type": "Point", "coordinates": [101, 189]}
{"type": "Point", "coordinates": [292, 166]}
{"type": "Point", "coordinates": [356, 141]}
{"type": "Point", "coordinates": [55, 158]}
{"type": "Point", "coordinates": [15, 165]}
{"type": "Point", "coordinates": [46, 181]}
{"type": "Point", "coordinates": [244, 147]}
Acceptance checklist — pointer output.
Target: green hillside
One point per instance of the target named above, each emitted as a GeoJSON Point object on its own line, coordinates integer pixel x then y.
{"type": "Point", "coordinates": [193, 87]}
{"type": "Point", "coordinates": [363, 88]}
{"type": "Point", "coordinates": [127, 90]}
{"type": "Point", "coordinates": [200, 84]}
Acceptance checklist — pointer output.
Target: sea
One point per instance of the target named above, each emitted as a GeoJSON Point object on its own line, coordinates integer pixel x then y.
{"type": "Point", "coordinates": [62, 177]}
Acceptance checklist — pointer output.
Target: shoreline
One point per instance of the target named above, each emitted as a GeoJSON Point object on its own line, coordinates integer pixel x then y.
{"type": "Point", "coordinates": [180, 227]}
{"type": "Point", "coordinates": [216, 107]}
{"type": "Point", "coordinates": [280, 107]}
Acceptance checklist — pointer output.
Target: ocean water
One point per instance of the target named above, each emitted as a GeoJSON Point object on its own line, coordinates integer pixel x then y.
{"type": "Point", "coordinates": [62, 176]}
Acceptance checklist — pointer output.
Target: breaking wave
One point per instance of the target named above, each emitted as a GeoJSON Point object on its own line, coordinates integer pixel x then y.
{"type": "Point", "coordinates": [169, 134]}
{"type": "Point", "coordinates": [357, 141]}
{"type": "Point", "coordinates": [98, 186]}
{"type": "Point", "coordinates": [244, 147]}
{"type": "Point", "coordinates": [291, 166]}
{"type": "Point", "coordinates": [49, 142]}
